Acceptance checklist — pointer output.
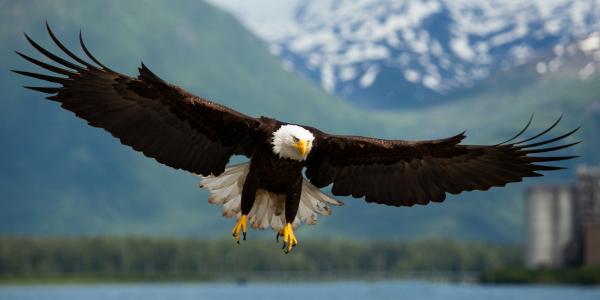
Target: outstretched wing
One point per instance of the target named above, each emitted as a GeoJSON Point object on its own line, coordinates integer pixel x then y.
{"type": "Point", "coordinates": [152, 116]}
{"type": "Point", "coordinates": [402, 173]}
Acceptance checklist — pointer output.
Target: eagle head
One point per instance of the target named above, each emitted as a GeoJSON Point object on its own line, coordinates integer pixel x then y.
{"type": "Point", "coordinates": [292, 142]}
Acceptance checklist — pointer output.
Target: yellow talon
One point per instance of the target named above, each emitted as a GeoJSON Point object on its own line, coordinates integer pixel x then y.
{"type": "Point", "coordinates": [289, 239]}
{"type": "Point", "coordinates": [240, 226]}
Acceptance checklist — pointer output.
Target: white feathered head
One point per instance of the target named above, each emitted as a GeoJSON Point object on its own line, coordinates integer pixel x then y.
{"type": "Point", "coordinates": [293, 142]}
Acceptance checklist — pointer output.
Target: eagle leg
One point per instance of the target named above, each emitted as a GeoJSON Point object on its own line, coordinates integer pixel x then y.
{"type": "Point", "coordinates": [289, 239]}
{"type": "Point", "coordinates": [241, 225]}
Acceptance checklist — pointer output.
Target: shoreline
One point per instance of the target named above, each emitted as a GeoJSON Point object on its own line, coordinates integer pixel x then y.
{"type": "Point", "coordinates": [572, 277]}
{"type": "Point", "coordinates": [244, 278]}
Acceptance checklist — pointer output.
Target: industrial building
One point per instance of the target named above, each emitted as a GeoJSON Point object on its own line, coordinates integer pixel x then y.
{"type": "Point", "coordinates": [563, 222]}
{"type": "Point", "coordinates": [550, 225]}
{"type": "Point", "coordinates": [588, 200]}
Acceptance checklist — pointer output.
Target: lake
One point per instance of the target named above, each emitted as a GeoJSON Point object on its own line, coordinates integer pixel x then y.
{"type": "Point", "coordinates": [291, 291]}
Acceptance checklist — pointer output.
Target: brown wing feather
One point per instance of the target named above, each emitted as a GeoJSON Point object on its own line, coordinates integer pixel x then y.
{"type": "Point", "coordinates": [403, 173]}
{"type": "Point", "coordinates": [161, 120]}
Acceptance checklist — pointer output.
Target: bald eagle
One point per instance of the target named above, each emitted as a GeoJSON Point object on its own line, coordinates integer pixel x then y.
{"type": "Point", "coordinates": [187, 132]}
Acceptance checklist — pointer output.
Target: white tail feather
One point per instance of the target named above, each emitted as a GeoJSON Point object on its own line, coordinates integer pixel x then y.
{"type": "Point", "coordinates": [268, 208]}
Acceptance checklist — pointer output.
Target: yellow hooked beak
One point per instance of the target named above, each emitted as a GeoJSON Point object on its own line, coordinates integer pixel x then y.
{"type": "Point", "coordinates": [302, 146]}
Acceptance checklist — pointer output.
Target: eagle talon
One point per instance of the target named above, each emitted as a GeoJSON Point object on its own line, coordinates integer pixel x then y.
{"type": "Point", "coordinates": [240, 226]}
{"type": "Point", "coordinates": [289, 239]}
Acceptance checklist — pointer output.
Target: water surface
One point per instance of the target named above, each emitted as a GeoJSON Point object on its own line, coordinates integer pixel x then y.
{"type": "Point", "coordinates": [292, 291]}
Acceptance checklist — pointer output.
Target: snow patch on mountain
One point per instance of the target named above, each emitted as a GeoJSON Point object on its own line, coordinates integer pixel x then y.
{"type": "Point", "coordinates": [439, 45]}
{"type": "Point", "coordinates": [468, 40]}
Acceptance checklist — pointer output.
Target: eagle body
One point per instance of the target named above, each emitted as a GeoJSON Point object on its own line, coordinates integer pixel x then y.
{"type": "Point", "coordinates": [270, 188]}
{"type": "Point", "coordinates": [274, 173]}
{"type": "Point", "coordinates": [279, 187]}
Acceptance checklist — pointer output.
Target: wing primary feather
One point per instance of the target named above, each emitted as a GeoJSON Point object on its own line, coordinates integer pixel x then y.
{"type": "Point", "coordinates": [89, 54]}
{"type": "Point", "coordinates": [549, 158]}
{"type": "Point", "coordinates": [47, 90]}
{"type": "Point", "coordinates": [541, 133]}
{"type": "Point", "coordinates": [541, 150]}
{"type": "Point", "coordinates": [42, 76]}
{"type": "Point", "coordinates": [45, 65]}
{"type": "Point", "coordinates": [520, 132]}
{"type": "Point", "coordinates": [547, 168]}
{"type": "Point", "coordinates": [64, 49]}
{"type": "Point", "coordinates": [550, 140]}
{"type": "Point", "coordinates": [51, 56]}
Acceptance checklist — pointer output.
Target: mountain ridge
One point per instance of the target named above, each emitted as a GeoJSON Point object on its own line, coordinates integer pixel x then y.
{"type": "Point", "coordinates": [398, 54]}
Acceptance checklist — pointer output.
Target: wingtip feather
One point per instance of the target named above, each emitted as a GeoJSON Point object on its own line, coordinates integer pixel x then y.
{"type": "Point", "coordinates": [46, 90]}
{"type": "Point", "coordinates": [520, 132]}
{"type": "Point", "coordinates": [89, 54]}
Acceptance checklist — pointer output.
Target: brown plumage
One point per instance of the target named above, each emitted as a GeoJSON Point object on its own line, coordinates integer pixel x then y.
{"type": "Point", "coordinates": [187, 132]}
{"type": "Point", "coordinates": [401, 173]}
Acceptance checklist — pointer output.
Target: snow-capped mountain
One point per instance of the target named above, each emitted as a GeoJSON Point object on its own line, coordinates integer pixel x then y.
{"type": "Point", "coordinates": [390, 52]}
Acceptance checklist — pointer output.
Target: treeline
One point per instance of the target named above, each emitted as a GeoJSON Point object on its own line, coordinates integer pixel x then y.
{"type": "Point", "coordinates": [178, 258]}
{"type": "Point", "coordinates": [582, 275]}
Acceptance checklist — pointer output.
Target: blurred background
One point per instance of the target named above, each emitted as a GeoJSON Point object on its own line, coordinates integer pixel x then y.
{"type": "Point", "coordinates": [77, 206]}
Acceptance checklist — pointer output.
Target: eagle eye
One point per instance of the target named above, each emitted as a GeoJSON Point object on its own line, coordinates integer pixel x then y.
{"type": "Point", "coordinates": [295, 139]}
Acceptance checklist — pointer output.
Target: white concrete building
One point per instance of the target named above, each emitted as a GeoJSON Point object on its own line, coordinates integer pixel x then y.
{"type": "Point", "coordinates": [550, 225]}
